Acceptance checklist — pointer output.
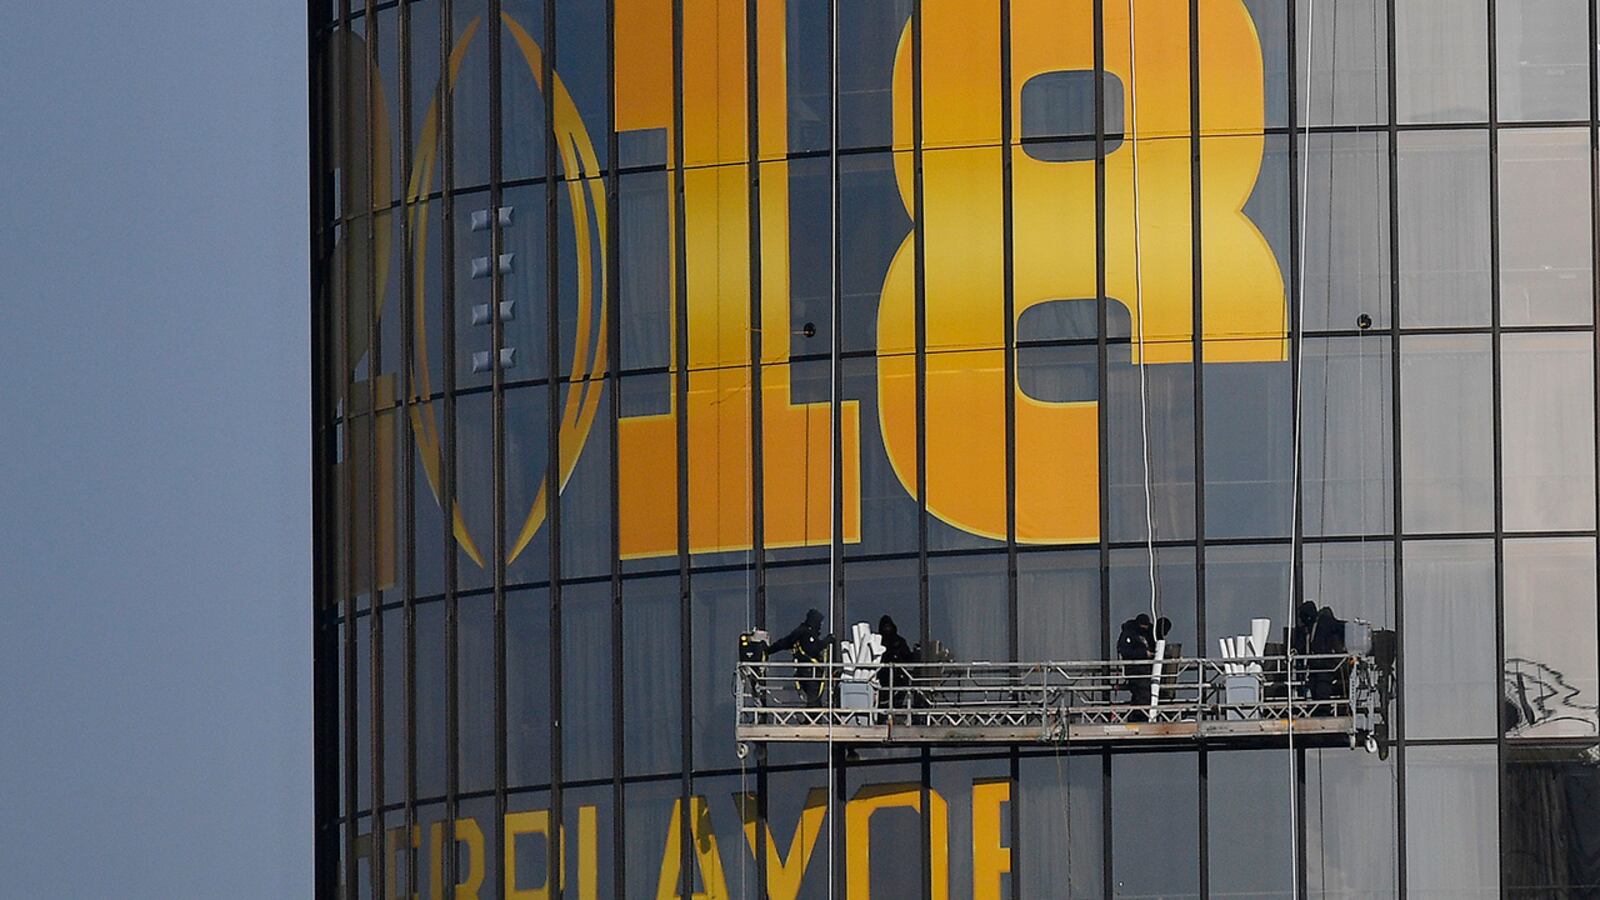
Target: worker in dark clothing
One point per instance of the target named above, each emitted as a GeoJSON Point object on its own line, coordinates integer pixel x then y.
{"type": "Point", "coordinates": [1326, 675]}
{"type": "Point", "coordinates": [1137, 643]}
{"type": "Point", "coordinates": [810, 647]}
{"type": "Point", "coordinates": [893, 681]}
{"type": "Point", "coordinates": [1305, 622]}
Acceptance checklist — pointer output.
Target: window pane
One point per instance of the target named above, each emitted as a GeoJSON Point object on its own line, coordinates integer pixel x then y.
{"type": "Point", "coordinates": [1542, 59]}
{"type": "Point", "coordinates": [1451, 815]}
{"type": "Point", "coordinates": [475, 690]}
{"type": "Point", "coordinates": [1058, 598]}
{"type": "Point", "coordinates": [1356, 578]}
{"type": "Point", "coordinates": [1346, 444]}
{"type": "Point", "coordinates": [1154, 825]}
{"type": "Point", "coordinates": [1243, 583]}
{"type": "Point", "coordinates": [1545, 252]}
{"type": "Point", "coordinates": [967, 606]}
{"type": "Point", "coordinates": [652, 719]}
{"type": "Point", "coordinates": [1348, 57]}
{"type": "Point", "coordinates": [1550, 637]}
{"type": "Point", "coordinates": [645, 265]}
{"type": "Point", "coordinates": [1175, 593]}
{"type": "Point", "coordinates": [1552, 822]}
{"type": "Point", "coordinates": [1446, 433]}
{"type": "Point", "coordinates": [1346, 230]}
{"type": "Point", "coordinates": [1442, 60]}
{"type": "Point", "coordinates": [1547, 422]}
{"type": "Point", "coordinates": [722, 608]}
{"type": "Point", "coordinates": [1451, 689]}
{"type": "Point", "coordinates": [1251, 821]}
{"type": "Point", "coordinates": [1167, 412]}
{"type": "Point", "coordinates": [1444, 227]}
{"type": "Point", "coordinates": [1249, 450]}
{"type": "Point", "coordinates": [1350, 825]}
{"type": "Point", "coordinates": [586, 655]}
{"type": "Point", "coordinates": [1060, 805]}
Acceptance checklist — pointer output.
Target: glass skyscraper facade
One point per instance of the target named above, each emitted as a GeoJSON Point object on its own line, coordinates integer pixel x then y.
{"type": "Point", "coordinates": [641, 323]}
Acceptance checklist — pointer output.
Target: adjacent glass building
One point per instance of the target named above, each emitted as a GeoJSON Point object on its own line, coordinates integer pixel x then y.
{"type": "Point", "coordinates": [639, 323]}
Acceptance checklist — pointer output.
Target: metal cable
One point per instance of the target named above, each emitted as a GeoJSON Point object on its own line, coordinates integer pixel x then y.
{"type": "Point", "coordinates": [1138, 301]}
{"type": "Point", "coordinates": [833, 379]}
{"type": "Point", "coordinates": [1299, 412]}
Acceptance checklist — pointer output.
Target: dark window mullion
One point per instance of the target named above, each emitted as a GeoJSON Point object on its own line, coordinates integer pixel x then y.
{"type": "Point", "coordinates": [1497, 442]}
{"type": "Point", "coordinates": [680, 310]}
{"type": "Point", "coordinates": [613, 419]}
{"type": "Point", "coordinates": [1396, 728]}
{"type": "Point", "coordinates": [920, 350]}
{"type": "Point", "coordinates": [1197, 367]}
{"type": "Point", "coordinates": [346, 489]}
{"type": "Point", "coordinates": [452, 704]}
{"type": "Point", "coordinates": [407, 475]}
{"type": "Point", "coordinates": [1101, 410]}
{"type": "Point", "coordinates": [369, 308]}
{"type": "Point", "coordinates": [1009, 343]}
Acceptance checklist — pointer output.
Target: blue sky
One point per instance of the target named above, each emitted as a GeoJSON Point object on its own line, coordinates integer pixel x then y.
{"type": "Point", "coordinates": [155, 726]}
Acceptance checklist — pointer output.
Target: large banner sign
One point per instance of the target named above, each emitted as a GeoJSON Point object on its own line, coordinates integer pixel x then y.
{"type": "Point", "coordinates": [956, 212]}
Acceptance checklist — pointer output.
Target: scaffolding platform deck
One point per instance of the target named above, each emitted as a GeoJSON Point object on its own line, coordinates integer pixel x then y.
{"type": "Point", "coordinates": [1324, 700]}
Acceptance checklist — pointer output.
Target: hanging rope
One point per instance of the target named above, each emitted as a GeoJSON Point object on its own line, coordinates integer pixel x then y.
{"type": "Point", "coordinates": [1299, 412]}
{"type": "Point", "coordinates": [1138, 315]}
{"type": "Point", "coordinates": [833, 379]}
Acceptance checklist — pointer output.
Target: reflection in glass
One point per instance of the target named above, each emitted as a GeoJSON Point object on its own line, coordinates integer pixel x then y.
{"type": "Point", "coordinates": [1443, 204]}
{"type": "Point", "coordinates": [1167, 413]}
{"type": "Point", "coordinates": [1451, 688]}
{"type": "Point", "coordinates": [395, 714]}
{"type": "Point", "coordinates": [1155, 839]}
{"type": "Point", "coordinates": [644, 263]}
{"type": "Point", "coordinates": [647, 826]}
{"type": "Point", "coordinates": [1550, 638]}
{"type": "Point", "coordinates": [1355, 578]}
{"type": "Point", "coordinates": [1350, 825]}
{"type": "Point", "coordinates": [1541, 59]}
{"type": "Point", "coordinates": [1060, 806]}
{"type": "Point", "coordinates": [528, 688]}
{"type": "Point", "coordinates": [1452, 848]}
{"type": "Point", "coordinates": [1249, 436]}
{"type": "Point", "coordinates": [1243, 583]}
{"type": "Point", "coordinates": [1058, 600]}
{"type": "Point", "coordinates": [865, 63]}
{"type": "Point", "coordinates": [1545, 252]}
{"type": "Point", "coordinates": [720, 610]}
{"type": "Point", "coordinates": [1446, 433]}
{"type": "Point", "coordinates": [1346, 239]}
{"type": "Point", "coordinates": [522, 131]}
{"type": "Point", "coordinates": [1547, 431]}
{"type": "Point", "coordinates": [1175, 593]}
{"type": "Point", "coordinates": [1552, 822]}
{"type": "Point", "coordinates": [1346, 444]}
{"type": "Point", "coordinates": [586, 658]}
{"type": "Point", "coordinates": [1441, 58]}
{"type": "Point", "coordinates": [475, 692]}
{"type": "Point", "coordinates": [967, 606]}
{"type": "Point", "coordinates": [431, 685]}
{"type": "Point", "coordinates": [1344, 42]}
{"type": "Point", "coordinates": [1251, 821]}
{"type": "Point", "coordinates": [652, 720]}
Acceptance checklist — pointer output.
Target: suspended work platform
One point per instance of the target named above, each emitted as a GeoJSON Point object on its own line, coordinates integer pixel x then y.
{"type": "Point", "coordinates": [1324, 700]}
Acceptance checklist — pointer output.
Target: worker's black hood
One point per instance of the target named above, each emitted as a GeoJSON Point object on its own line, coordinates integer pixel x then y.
{"type": "Point", "coordinates": [887, 628]}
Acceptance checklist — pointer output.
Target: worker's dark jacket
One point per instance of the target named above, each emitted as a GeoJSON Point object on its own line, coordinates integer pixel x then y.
{"type": "Point", "coordinates": [895, 650]}
{"type": "Point", "coordinates": [809, 645]}
{"type": "Point", "coordinates": [807, 642]}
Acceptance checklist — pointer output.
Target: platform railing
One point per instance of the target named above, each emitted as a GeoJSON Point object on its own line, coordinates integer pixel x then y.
{"type": "Point", "coordinates": [1100, 700]}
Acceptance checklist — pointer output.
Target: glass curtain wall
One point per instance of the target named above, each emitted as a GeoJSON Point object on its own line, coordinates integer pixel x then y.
{"type": "Point", "coordinates": [641, 323]}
